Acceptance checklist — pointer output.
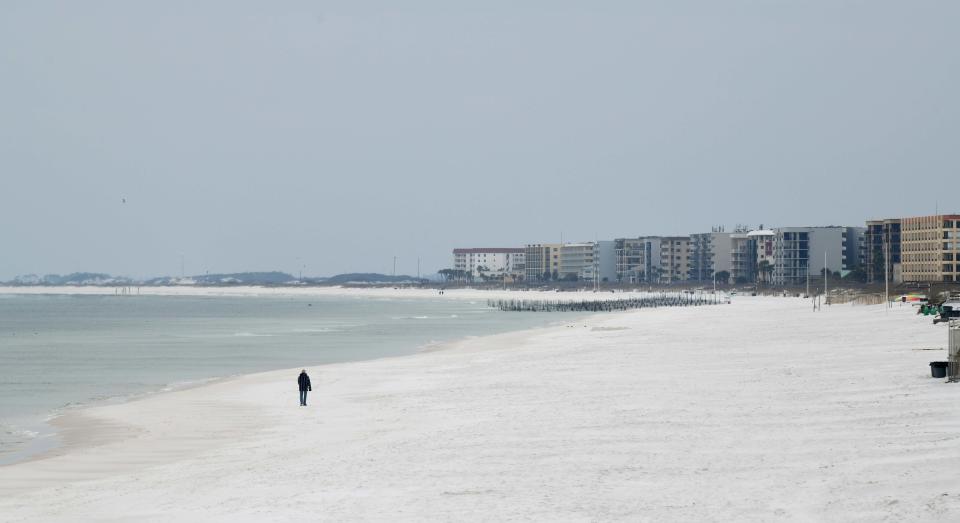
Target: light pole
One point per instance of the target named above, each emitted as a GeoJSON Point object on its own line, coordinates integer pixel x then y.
{"type": "Point", "coordinates": [826, 292]}
{"type": "Point", "coordinates": [886, 271]}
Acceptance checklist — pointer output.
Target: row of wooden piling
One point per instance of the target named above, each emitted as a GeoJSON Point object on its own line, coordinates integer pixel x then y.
{"type": "Point", "coordinates": [645, 302]}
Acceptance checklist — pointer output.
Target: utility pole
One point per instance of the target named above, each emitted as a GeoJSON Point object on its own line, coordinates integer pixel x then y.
{"type": "Point", "coordinates": [886, 271]}
{"type": "Point", "coordinates": [826, 295]}
{"type": "Point", "coordinates": [418, 268]}
{"type": "Point", "coordinates": [394, 265]}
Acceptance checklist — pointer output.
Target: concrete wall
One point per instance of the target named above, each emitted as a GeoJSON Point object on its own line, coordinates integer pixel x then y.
{"type": "Point", "coordinates": [827, 240]}
{"type": "Point", "coordinates": [606, 253]}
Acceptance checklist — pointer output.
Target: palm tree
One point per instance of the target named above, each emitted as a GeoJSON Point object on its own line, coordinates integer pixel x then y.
{"type": "Point", "coordinates": [480, 270]}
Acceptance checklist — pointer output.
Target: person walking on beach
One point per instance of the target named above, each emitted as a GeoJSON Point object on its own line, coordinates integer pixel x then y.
{"type": "Point", "coordinates": [304, 382]}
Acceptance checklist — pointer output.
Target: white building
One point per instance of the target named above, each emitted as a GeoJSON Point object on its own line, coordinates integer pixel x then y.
{"type": "Point", "coordinates": [802, 251]}
{"type": "Point", "coordinates": [489, 262]}
{"type": "Point", "coordinates": [638, 259]}
{"type": "Point", "coordinates": [589, 261]}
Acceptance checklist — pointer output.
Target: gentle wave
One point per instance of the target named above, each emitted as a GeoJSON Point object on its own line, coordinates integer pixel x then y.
{"type": "Point", "coordinates": [424, 317]}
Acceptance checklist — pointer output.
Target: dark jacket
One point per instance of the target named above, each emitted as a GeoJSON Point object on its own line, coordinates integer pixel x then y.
{"type": "Point", "coordinates": [304, 381]}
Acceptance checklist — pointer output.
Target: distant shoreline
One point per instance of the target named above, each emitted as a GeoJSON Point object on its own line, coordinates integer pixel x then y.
{"type": "Point", "coordinates": [313, 291]}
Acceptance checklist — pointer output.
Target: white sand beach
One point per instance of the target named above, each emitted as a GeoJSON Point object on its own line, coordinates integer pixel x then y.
{"type": "Point", "coordinates": [758, 410]}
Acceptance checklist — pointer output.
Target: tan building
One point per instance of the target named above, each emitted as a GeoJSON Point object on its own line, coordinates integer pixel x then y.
{"type": "Point", "coordinates": [542, 261]}
{"type": "Point", "coordinates": [929, 248]}
{"type": "Point", "coordinates": [674, 259]}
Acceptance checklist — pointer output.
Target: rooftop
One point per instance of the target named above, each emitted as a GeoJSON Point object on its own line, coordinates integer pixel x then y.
{"type": "Point", "coordinates": [489, 250]}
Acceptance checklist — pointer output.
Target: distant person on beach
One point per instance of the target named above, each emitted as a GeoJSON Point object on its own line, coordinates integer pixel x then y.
{"type": "Point", "coordinates": [304, 382]}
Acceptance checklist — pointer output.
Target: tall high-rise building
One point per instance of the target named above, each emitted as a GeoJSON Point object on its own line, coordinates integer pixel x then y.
{"type": "Point", "coordinates": [489, 262]}
{"type": "Point", "coordinates": [710, 253]}
{"type": "Point", "coordinates": [930, 248]}
{"type": "Point", "coordinates": [638, 259]}
{"type": "Point", "coordinates": [799, 252]}
{"type": "Point", "coordinates": [674, 259]}
{"type": "Point", "coordinates": [882, 250]}
{"type": "Point", "coordinates": [542, 261]}
{"type": "Point", "coordinates": [588, 261]}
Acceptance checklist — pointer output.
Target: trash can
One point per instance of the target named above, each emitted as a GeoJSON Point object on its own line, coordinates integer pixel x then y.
{"type": "Point", "coordinates": [938, 369]}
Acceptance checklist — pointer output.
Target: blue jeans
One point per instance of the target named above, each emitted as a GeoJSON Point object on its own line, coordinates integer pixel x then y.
{"type": "Point", "coordinates": [303, 397]}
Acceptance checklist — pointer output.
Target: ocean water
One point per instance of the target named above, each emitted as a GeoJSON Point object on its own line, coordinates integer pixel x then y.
{"type": "Point", "coordinates": [63, 351]}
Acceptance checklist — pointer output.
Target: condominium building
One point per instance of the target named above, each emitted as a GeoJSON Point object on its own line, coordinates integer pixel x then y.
{"type": "Point", "coordinates": [710, 253]}
{"type": "Point", "coordinates": [631, 253]}
{"type": "Point", "coordinates": [542, 261]}
{"type": "Point", "coordinates": [489, 262]}
{"type": "Point", "coordinates": [674, 259]}
{"type": "Point", "coordinates": [743, 258]}
{"type": "Point", "coordinates": [573, 258]}
{"type": "Point", "coordinates": [882, 250]}
{"type": "Point", "coordinates": [588, 261]}
{"type": "Point", "coordinates": [751, 256]}
{"type": "Point", "coordinates": [799, 252]}
{"type": "Point", "coordinates": [761, 248]}
{"type": "Point", "coordinates": [929, 248]}
{"type": "Point", "coordinates": [638, 259]}
{"type": "Point", "coordinates": [652, 259]}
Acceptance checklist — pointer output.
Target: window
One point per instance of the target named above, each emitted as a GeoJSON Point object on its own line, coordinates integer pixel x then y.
{"type": "Point", "coordinates": [948, 256]}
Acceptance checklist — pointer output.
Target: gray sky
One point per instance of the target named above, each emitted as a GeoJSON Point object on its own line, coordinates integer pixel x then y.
{"type": "Point", "coordinates": [269, 135]}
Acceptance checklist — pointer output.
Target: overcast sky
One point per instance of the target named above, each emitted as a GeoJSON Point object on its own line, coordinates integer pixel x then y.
{"type": "Point", "coordinates": [336, 135]}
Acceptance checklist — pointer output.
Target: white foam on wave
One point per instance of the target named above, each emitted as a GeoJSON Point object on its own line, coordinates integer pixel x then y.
{"type": "Point", "coordinates": [17, 433]}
